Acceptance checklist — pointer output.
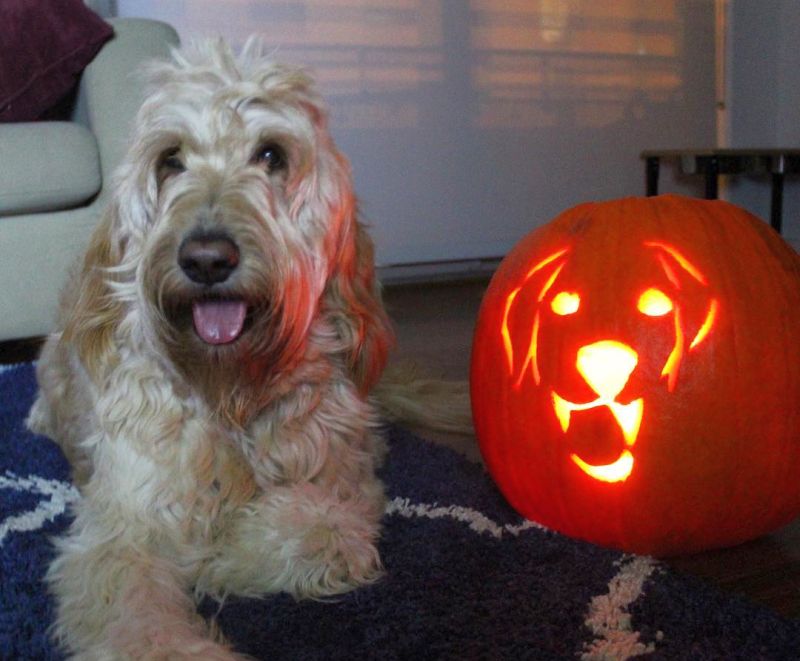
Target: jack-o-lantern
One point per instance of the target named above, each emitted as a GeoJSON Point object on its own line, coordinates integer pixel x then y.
{"type": "Point", "coordinates": [636, 375]}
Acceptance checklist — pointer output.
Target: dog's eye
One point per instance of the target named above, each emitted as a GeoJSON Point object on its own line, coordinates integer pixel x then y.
{"type": "Point", "coordinates": [654, 303]}
{"type": "Point", "coordinates": [565, 302]}
{"type": "Point", "coordinates": [171, 162]}
{"type": "Point", "coordinates": [271, 157]}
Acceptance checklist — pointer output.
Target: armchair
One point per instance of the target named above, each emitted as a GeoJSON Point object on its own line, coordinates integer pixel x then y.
{"type": "Point", "coordinates": [54, 177]}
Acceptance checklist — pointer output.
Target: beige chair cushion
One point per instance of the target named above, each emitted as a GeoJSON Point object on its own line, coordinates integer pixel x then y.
{"type": "Point", "coordinates": [46, 166]}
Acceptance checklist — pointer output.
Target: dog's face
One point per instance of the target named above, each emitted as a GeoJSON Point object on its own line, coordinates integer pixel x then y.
{"type": "Point", "coordinates": [241, 242]}
{"type": "Point", "coordinates": [234, 225]}
{"type": "Point", "coordinates": [602, 337]}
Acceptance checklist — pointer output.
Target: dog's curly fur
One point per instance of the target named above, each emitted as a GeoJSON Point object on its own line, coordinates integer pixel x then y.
{"type": "Point", "coordinates": [243, 467]}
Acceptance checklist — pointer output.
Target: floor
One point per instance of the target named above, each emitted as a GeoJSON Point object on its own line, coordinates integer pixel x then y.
{"type": "Point", "coordinates": [434, 325]}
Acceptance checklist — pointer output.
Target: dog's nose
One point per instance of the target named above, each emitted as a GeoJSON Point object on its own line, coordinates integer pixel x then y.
{"type": "Point", "coordinates": [208, 259]}
{"type": "Point", "coordinates": [606, 366]}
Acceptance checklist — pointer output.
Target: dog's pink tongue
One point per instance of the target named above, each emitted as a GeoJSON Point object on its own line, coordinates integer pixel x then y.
{"type": "Point", "coordinates": [218, 322]}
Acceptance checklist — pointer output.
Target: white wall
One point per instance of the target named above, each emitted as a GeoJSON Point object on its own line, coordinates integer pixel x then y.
{"type": "Point", "coordinates": [764, 97]}
{"type": "Point", "coordinates": [469, 122]}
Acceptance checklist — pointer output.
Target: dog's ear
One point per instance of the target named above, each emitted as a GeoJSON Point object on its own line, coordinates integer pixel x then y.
{"type": "Point", "coordinates": [352, 300]}
{"type": "Point", "coordinates": [91, 313]}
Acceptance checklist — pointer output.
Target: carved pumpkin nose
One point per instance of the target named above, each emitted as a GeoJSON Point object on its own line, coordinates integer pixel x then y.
{"type": "Point", "coordinates": [606, 366]}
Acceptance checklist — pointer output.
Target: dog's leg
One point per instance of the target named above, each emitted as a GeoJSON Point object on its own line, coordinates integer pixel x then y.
{"type": "Point", "coordinates": [313, 529]}
{"type": "Point", "coordinates": [301, 539]}
{"type": "Point", "coordinates": [310, 537]}
{"type": "Point", "coordinates": [63, 409]}
{"type": "Point", "coordinates": [117, 599]}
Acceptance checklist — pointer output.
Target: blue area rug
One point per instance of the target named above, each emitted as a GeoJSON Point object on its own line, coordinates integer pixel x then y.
{"type": "Point", "coordinates": [466, 578]}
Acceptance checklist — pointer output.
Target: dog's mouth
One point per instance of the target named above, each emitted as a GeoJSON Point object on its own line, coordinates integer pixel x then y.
{"type": "Point", "coordinates": [219, 321]}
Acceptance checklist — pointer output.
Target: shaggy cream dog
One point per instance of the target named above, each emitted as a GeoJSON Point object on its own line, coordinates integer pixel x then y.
{"type": "Point", "coordinates": [209, 379]}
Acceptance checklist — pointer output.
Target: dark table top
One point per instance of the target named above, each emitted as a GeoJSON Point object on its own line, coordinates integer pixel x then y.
{"type": "Point", "coordinates": [731, 161]}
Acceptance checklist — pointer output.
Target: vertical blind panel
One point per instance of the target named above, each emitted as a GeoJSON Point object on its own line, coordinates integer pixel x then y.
{"type": "Point", "coordinates": [469, 122]}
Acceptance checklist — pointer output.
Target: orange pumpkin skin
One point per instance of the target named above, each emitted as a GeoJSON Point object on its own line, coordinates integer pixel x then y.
{"type": "Point", "coordinates": [696, 306]}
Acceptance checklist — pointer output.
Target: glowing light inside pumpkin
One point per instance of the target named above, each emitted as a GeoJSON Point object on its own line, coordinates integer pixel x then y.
{"type": "Point", "coordinates": [628, 416]}
{"type": "Point", "coordinates": [618, 471]}
{"type": "Point", "coordinates": [711, 315]}
{"type": "Point", "coordinates": [565, 303]}
{"type": "Point", "coordinates": [544, 262]}
{"type": "Point", "coordinates": [507, 343]}
{"type": "Point", "coordinates": [654, 303]}
{"type": "Point", "coordinates": [549, 283]}
{"type": "Point", "coordinates": [674, 361]}
{"type": "Point", "coordinates": [531, 357]}
{"type": "Point", "coordinates": [687, 266]}
{"type": "Point", "coordinates": [606, 366]}
{"type": "Point", "coordinates": [669, 271]}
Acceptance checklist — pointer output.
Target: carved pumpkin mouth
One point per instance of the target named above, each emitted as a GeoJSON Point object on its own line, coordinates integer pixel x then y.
{"type": "Point", "coordinates": [629, 419]}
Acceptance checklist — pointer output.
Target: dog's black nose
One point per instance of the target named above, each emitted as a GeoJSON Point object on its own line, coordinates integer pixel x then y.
{"type": "Point", "coordinates": [208, 258]}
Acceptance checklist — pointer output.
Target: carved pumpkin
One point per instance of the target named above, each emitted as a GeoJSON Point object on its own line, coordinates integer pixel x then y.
{"type": "Point", "coordinates": [636, 375]}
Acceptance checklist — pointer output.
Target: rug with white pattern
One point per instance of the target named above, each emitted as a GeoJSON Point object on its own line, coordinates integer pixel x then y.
{"type": "Point", "coordinates": [466, 578]}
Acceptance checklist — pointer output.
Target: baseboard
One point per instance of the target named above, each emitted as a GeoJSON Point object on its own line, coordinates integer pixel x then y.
{"type": "Point", "coordinates": [450, 271]}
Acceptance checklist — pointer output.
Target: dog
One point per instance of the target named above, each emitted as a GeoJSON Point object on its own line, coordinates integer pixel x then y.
{"type": "Point", "coordinates": [213, 378]}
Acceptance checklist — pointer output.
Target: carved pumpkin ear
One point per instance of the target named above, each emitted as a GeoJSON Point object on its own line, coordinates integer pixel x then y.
{"type": "Point", "coordinates": [520, 340]}
{"type": "Point", "coordinates": [698, 308]}
{"type": "Point", "coordinates": [676, 265]}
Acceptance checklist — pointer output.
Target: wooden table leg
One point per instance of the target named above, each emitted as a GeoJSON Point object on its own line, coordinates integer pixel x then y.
{"type": "Point", "coordinates": [712, 175]}
{"type": "Point", "coordinates": [776, 207]}
{"type": "Point", "coordinates": [651, 171]}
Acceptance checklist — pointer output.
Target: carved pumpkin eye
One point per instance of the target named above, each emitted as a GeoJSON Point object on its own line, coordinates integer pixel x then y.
{"type": "Point", "coordinates": [654, 303]}
{"type": "Point", "coordinates": [565, 303]}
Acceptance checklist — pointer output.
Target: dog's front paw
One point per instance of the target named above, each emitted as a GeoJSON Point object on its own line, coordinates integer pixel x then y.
{"type": "Point", "coordinates": [300, 540]}
{"type": "Point", "coordinates": [337, 556]}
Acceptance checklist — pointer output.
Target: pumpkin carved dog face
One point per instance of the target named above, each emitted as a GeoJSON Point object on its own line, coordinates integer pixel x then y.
{"type": "Point", "coordinates": [607, 353]}
{"type": "Point", "coordinates": [636, 371]}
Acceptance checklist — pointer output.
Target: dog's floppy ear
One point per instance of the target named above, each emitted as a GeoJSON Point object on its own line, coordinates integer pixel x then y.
{"type": "Point", "coordinates": [351, 299]}
{"type": "Point", "coordinates": [353, 302]}
{"type": "Point", "coordinates": [91, 313]}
